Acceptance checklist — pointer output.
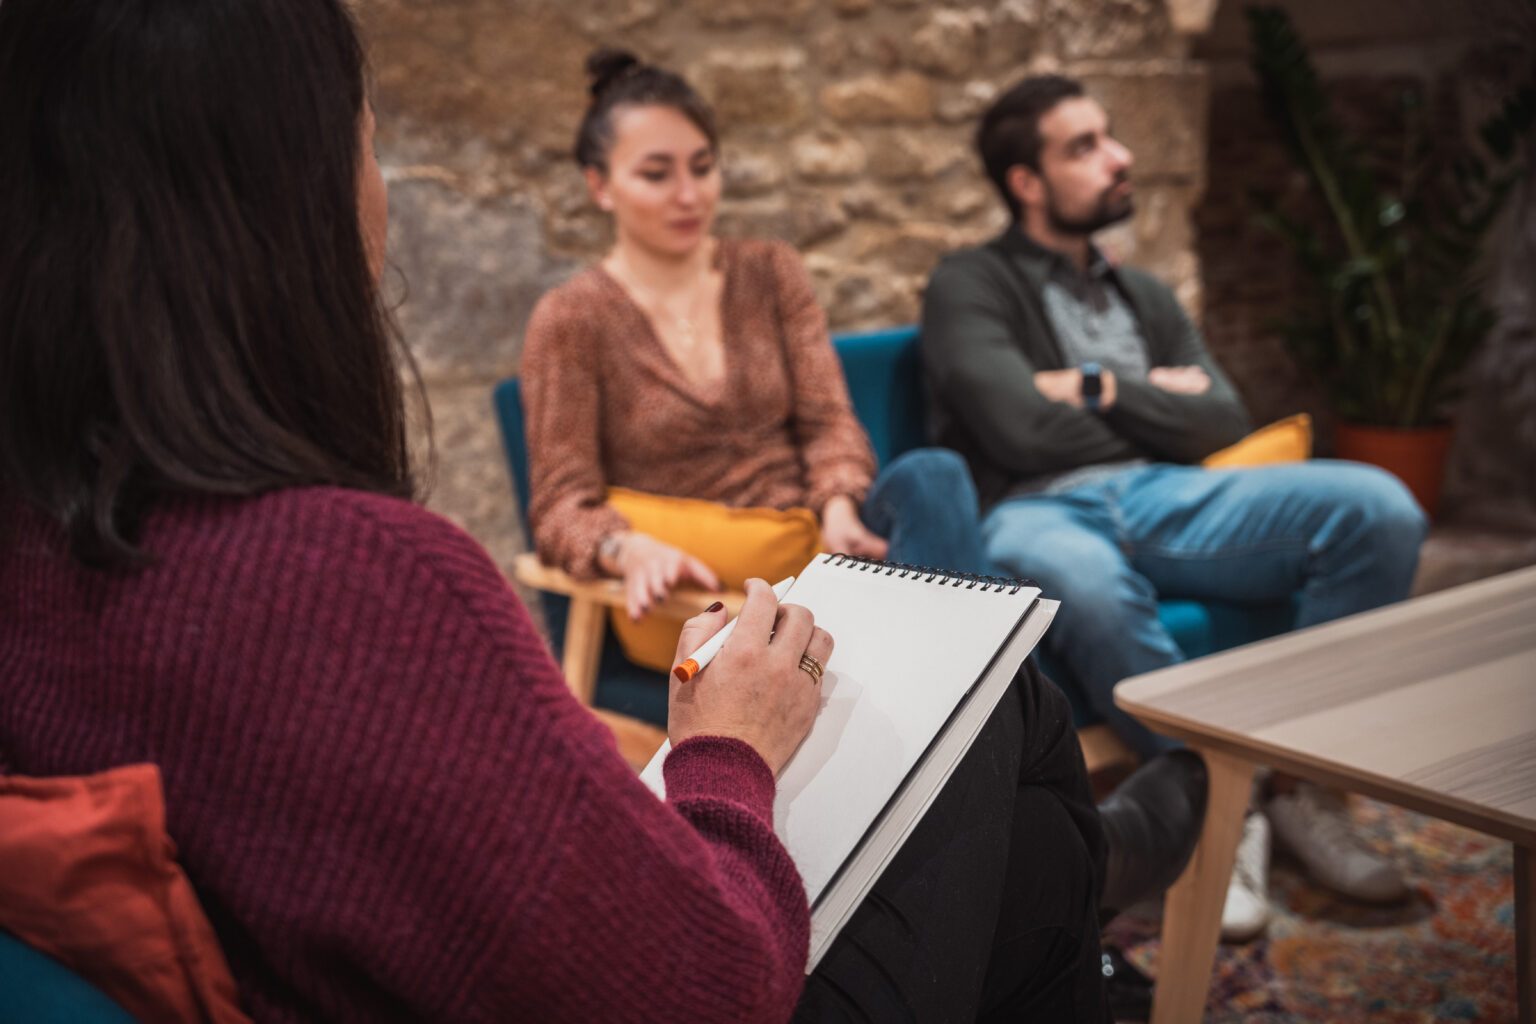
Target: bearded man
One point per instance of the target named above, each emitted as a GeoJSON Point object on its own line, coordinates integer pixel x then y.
{"type": "Point", "coordinates": [1083, 399]}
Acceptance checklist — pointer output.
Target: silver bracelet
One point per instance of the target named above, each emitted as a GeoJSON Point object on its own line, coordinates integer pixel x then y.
{"type": "Point", "coordinates": [609, 547]}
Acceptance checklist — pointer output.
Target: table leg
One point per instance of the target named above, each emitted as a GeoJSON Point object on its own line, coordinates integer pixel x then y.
{"type": "Point", "coordinates": [1192, 907]}
{"type": "Point", "coordinates": [1525, 938]}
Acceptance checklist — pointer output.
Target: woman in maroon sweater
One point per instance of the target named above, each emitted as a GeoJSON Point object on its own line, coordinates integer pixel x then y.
{"type": "Point", "coordinates": [388, 802]}
{"type": "Point", "coordinates": [386, 798]}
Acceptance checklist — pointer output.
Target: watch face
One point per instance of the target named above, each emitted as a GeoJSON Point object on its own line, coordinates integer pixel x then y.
{"type": "Point", "coordinates": [1093, 385]}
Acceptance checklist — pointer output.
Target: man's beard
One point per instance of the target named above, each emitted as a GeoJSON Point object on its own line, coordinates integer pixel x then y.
{"type": "Point", "coordinates": [1108, 210]}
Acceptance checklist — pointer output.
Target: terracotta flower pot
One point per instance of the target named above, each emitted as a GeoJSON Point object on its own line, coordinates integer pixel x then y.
{"type": "Point", "coordinates": [1415, 455]}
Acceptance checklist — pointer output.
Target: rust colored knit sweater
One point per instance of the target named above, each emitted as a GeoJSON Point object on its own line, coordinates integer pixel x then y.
{"type": "Point", "coordinates": [607, 406]}
{"type": "Point", "coordinates": [388, 801]}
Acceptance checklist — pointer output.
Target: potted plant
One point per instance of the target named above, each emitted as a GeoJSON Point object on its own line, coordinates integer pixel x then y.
{"type": "Point", "coordinates": [1397, 308]}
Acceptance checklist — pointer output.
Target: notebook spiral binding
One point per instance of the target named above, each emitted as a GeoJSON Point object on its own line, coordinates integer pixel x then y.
{"type": "Point", "coordinates": [944, 577]}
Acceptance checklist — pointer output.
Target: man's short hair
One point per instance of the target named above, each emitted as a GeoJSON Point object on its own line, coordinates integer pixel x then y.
{"type": "Point", "coordinates": [1009, 133]}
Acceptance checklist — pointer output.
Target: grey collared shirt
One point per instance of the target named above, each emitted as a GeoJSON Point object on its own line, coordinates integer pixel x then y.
{"type": "Point", "coordinates": [1094, 324]}
{"type": "Point", "coordinates": [1091, 318]}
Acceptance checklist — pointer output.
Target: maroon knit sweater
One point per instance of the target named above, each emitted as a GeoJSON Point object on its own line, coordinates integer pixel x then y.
{"type": "Point", "coordinates": [387, 799]}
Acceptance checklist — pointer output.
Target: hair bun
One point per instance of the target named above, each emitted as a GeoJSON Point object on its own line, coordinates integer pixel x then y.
{"type": "Point", "coordinates": [606, 65]}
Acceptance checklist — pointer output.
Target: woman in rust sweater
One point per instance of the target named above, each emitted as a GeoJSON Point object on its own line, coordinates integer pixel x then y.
{"type": "Point", "coordinates": [689, 365]}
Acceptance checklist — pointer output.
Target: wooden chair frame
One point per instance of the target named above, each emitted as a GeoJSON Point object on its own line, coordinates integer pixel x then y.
{"type": "Point", "coordinates": [587, 622]}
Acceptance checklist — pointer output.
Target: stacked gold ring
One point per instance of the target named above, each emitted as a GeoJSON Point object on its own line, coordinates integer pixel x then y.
{"type": "Point", "coordinates": [809, 664]}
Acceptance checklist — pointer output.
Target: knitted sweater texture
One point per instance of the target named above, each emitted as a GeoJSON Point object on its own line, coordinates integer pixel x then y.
{"type": "Point", "coordinates": [381, 789]}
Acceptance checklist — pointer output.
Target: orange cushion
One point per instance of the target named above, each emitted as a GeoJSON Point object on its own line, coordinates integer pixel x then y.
{"type": "Point", "coordinates": [88, 876]}
{"type": "Point", "coordinates": [737, 543]}
{"type": "Point", "coordinates": [1287, 440]}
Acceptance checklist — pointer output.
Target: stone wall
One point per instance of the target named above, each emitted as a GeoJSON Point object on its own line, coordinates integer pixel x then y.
{"type": "Point", "coordinates": [846, 130]}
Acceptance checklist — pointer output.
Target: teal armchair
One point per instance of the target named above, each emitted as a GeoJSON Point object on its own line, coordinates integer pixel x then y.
{"type": "Point", "coordinates": [37, 989]}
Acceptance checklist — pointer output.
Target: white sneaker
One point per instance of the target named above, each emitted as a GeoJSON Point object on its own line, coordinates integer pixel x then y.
{"type": "Point", "coordinates": [1314, 824]}
{"type": "Point", "coordinates": [1246, 912]}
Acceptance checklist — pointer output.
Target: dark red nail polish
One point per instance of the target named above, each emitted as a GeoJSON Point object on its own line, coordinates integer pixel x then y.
{"type": "Point", "coordinates": [715, 607]}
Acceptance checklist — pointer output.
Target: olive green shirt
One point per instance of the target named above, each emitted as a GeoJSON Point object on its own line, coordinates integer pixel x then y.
{"type": "Point", "coordinates": [986, 330]}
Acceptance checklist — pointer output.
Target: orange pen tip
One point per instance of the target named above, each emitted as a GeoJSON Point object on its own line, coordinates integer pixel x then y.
{"type": "Point", "coordinates": [686, 671]}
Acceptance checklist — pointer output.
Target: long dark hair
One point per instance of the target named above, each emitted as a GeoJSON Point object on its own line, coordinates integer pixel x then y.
{"type": "Point", "coordinates": [185, 300]}
{"type": "Point", "coordinates": [617, 78]}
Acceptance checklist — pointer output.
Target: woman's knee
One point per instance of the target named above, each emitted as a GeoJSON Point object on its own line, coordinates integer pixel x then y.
{"type": "Point", "coordinates": [1047, 716]}
{"type": "Point", "coordinates": [931, 474]}
{"type": "Point", "coordinates": [1040, 697]}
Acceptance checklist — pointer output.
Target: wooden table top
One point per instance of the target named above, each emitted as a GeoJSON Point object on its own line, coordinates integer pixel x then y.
{"type": "Point", "coordinates": [1430, 704]}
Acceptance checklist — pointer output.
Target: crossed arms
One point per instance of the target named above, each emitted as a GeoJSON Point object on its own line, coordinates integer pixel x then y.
{"type": "Point", "coordinates": [997, 373]}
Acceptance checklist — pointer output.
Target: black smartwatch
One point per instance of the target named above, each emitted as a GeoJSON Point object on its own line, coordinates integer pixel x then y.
{"type": "Point", "coordinates": [1093, 385]}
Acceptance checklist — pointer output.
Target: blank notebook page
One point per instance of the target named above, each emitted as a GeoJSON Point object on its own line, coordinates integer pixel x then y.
{"type": "Point", "coordinates": [907, 651]}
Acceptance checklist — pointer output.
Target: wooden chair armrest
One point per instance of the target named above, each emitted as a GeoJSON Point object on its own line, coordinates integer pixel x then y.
{"type": "Point", "coordinates": [588, 622]}
{"type": "Point", "coordinates": [682, 603]}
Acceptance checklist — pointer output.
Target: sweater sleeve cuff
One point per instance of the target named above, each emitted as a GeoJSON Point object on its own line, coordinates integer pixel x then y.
{"type": "Point", "coordinates": [853, 482]}
{"type": "Point", "coordinates": [717, 767]}
{"type": "Point", "coordinates": [574, 545]}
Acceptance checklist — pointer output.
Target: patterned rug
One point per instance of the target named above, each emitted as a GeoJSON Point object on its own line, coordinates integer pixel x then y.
{"type": "Point", "coordinates": [1447, 954]}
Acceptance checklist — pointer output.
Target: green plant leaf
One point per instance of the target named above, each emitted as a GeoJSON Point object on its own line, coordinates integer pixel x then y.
{"type": "Point", "coordinates": [1396, 312]}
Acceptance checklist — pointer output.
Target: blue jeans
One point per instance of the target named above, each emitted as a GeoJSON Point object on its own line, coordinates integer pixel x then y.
{"type": "Point", "coordinates": [924, 504]}
{"type": "Point", "coordinates": [1340, 537]}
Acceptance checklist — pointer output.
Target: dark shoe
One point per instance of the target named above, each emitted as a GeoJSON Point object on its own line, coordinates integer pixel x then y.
{"type": "Point", "coordinates": [1128, 990]}
{"type": "Point", "coordinates": [1151, 824]}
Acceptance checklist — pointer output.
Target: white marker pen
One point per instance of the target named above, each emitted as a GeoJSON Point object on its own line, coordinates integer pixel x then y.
{"type": "Point", "coordinates": [694, 663]}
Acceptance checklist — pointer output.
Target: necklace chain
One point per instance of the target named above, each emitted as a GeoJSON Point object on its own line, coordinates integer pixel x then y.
{"type": "Point", "coordinates": [685, 322]}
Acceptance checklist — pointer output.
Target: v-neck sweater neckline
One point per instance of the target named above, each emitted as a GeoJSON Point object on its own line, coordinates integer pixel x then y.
{"type": "Point", "coordinates": [709, 393]}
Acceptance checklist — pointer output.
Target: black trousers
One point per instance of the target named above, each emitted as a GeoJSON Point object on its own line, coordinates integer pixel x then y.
{"type": "Point", "coordinates": [990, 910]}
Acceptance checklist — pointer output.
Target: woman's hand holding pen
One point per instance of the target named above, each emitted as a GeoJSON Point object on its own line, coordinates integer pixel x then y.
{"type": "Point", "coordinates": [843, 531]}
{"type": "Point", "coordinates": [650, 569]}
{"type": "Point", "coordinates": [755, 690]}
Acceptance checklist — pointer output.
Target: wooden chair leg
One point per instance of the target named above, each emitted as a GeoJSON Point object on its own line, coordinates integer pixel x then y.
{"type": "Point", "coordinates": [1103, 750]}
{"type": "Point", "coordinates": [583, 647]}
{"type": "Point", "coordinates": [1192, 907]}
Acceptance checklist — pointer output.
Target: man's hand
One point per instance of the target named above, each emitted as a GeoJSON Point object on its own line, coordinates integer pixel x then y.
{"type": "Point", "coordinates": [1180, 380]}
{"type": "Point", "coordinates": [1066, 387]}
{"type": "Point", "coordinates": [843, 531]}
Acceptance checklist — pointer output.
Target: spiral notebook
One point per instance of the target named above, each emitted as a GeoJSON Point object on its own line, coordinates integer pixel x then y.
{"type": "Point", "coordinates": [921, 659]}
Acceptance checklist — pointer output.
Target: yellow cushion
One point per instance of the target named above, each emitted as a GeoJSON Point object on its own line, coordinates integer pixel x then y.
{"type": "Point", "coordinates": [1287, 440]}
{"type": "Point", "coordinates": [737, 543]}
